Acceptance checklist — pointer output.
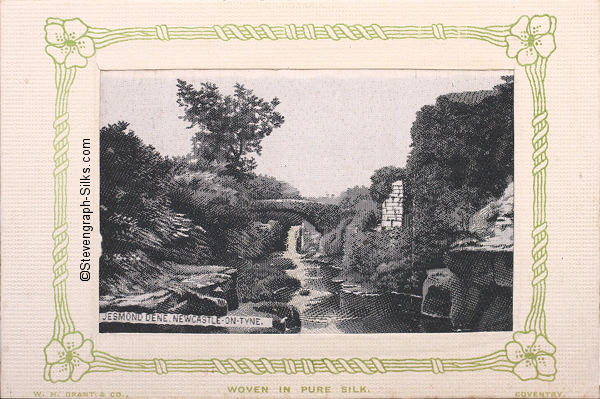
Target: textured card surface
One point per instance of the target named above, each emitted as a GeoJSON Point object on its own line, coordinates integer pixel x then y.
{"type": "Point", "coordinates": [299, 199]}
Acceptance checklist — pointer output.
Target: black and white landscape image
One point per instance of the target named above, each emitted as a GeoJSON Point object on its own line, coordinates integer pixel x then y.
{"type": "Point", "coordinates": [306, 201]}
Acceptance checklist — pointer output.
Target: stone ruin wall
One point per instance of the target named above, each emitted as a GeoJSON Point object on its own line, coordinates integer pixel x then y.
{"type": "Point", "coordinates": [391, 209]}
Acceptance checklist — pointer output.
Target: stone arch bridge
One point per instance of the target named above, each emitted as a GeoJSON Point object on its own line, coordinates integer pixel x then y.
{"type": "Point", "coordinates": [323, 216]}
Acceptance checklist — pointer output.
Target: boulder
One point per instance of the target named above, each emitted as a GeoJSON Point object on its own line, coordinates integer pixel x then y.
{"type": "Point", "coordinates": [285, 317]}
{"type": "Point", "coordinates": [406, 304]}
{"type": "Point", "coordinates": [466, 306]}
{"type": "Point", "coordinates": [440, 290]}
{"type": "Point", "coordinates": [165, 301]}
{"type": "Point", "coordinates": [200, 290]}
{"type": "Point", "coordinates": [481, 273]}
{"type": "Point", "coordinates": [209, 281]}
{"type": "Point", "coordinates": [492, 227]}
{"type": "Point", "coordinates": [497, 315]}
{"type": "Point", "coordinates": [201, 305]}
{"type": "Point", "coordinates": [482, 265]}
{"type": "Point", "coordinates": [158, 301]}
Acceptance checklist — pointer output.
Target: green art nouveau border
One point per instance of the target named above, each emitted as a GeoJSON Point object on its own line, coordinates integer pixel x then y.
{"type": "Point", "coordinates": [529, 355]}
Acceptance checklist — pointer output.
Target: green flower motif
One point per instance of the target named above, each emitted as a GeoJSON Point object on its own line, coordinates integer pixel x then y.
{"type": "Point", "coordinates": [532, 355]}
{"type": "Point", "coordinates": [69, 359]}
{"type": "Point", "coordinates": [531, 38]}
{"type": "Point", "coordinates": [67, 43]}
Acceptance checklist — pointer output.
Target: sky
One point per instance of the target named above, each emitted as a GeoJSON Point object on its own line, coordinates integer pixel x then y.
{"type": "Point", "coordinates": [340, 125]}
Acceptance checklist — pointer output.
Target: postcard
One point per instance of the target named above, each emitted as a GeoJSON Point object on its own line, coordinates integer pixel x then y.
{"type": "Point", "coordinates": [299, 199]}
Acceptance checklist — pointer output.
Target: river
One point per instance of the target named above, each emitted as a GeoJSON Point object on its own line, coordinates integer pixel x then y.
{"type": "Point", "coordinates": [319, 304]}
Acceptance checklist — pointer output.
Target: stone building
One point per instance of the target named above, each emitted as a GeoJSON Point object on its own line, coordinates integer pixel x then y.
{"type": "Point", "coordinates": [392, 208]}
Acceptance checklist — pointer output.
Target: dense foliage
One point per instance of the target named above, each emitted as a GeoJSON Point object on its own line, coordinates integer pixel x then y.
{"type": "Point", "coordinates": [356, 208]}
{"type": "Point", "coordinates": [261, 187]}
{"type": "Point", "coordinates": [138, 221]}
{"type": "Point", "coordinates": [155, 210]}
{"type": "Point", "coordinates": [355, 199]}
{"type": "Point", "coordinates": [135, 202]}
{"type": "Point", "coordinates": [461, 158]}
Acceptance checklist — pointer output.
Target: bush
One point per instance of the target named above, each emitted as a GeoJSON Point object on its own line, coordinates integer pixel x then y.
{"type": "Point", "coordinates": [352, 200]}
{"type": "Point", "coordinates": [255, 240]}
{"type": "Point", "coordinates": [220, 204]}
{"type": "Point", "coordinates": [129, 273]}
{"type": "Point", "coordinates": [332, 243]}
{"type": "Point", "coordinates": [210, 200]}
{"type": "Point", "coordinates": [397, 276]}
{"type": "Point", "coordinates": [380, 259]}
{"type": "Point", "coordinates": [363, 252]}
{"type": "Point", "coordinates": [258, 280]}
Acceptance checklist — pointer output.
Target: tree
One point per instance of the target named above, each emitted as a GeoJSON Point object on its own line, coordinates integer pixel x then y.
{"type": "Point", "coordinates": [261, 187]}
{"type": "Point", "coordinates": [230, 127]}
{"type": "Point", "coordinates": [350, 199]}
{"type": "Point", "coordinates": [381, 182]}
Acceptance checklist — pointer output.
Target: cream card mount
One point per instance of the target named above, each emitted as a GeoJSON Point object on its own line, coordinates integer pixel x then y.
{"type": "Point", "coordinates": [74, 355]}
{"type": "Point", "coordinates": [529, 41]}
